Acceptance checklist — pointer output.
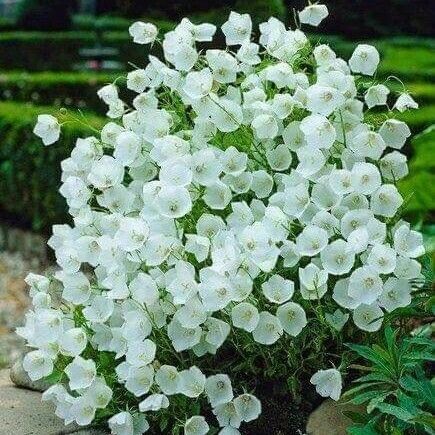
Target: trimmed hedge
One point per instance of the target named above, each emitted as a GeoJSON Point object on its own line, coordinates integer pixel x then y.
{"type": "Point", "coordinates": [30, 172]}
{"type": "Point", "coordinates": [41, 51]}
{"type": "Point", "coordinates": [57, 89]}
{"type": "Point", "coordinates": [419, 186]}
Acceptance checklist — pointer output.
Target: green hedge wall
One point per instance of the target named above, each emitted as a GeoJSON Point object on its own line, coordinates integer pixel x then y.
{"type": "Point", "coordinates": [30, 172]}
{"type": "Point", "coordinates": [57, 89]}
{"type": "Point", "coordinates": [41, 51]}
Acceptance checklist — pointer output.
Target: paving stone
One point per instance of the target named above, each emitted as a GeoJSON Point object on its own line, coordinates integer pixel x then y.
{"type": "Point", "coordinates": [328, 418]}
{"type": "Point", "coordinates": [23, 413]}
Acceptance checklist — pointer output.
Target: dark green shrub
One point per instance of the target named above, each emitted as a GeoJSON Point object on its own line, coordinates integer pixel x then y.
{"type": "Point", "coordinates": [45, 14]}
{"type": "Point", "coordinates": [57, 89]}
{"type": "Point", "coordinates": [30, 172]}
{"type": "Point", "coordinates": [56, 51]}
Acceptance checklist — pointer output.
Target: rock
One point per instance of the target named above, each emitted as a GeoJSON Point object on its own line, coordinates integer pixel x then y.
{"type": "Point", "coordinates": [329, 419]}
{"type": "Point", "coordinates": [23, 413]}
{"type": "Point", "coordinates": [21, 379]}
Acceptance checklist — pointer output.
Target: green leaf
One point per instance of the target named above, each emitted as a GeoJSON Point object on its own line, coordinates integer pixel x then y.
{"type": "Point", "coordinates": [399, 413]}
{"type": "Point", "coordinates": [373, 403]}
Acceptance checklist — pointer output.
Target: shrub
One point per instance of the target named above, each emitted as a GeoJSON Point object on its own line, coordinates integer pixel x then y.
{"type": "Point", "coordinates": [240, 215]}
{"type": "Point", "coordinates": [58, 89]}
{"type": "Point", "coordinates": [30, 179]}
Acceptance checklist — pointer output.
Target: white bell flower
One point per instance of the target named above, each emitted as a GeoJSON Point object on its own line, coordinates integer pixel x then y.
{"type": "Point", "coordinates": [293, 136]}
{"type": "Point", "coordinates": [37, 364]}
{"type": "Point", "coordinates": [341, 295]}
{"type": "Point", "coordinates": [141, 353]}
{"type": "Point", "coordinates": [168, 379]}
{"type": "Point", "coordinates": [143, 33]}
{"type": "Point", "coordinates": [365, 285]}
{"type": "Point", "coordinates": [106, 172]}
{"type": "Point", "coordinates": [292, 318]}
{"type": "Point", "coordinates": [205, 169]}
{"type": "Point", "coordinates": [192, 382]}
{"type": "Point", "coordinates": [217, 196]}
{"type": "Point", "coordinates": [340, 181]}
{"type": "Point", "coordinates": [405, 102]}
{"type": "Point", "coordinates": [386, 200]}
{"type": "Point", "coordinates": [127, 147]}
{"type": "Point", "coordinates": [407, 268]}
{"type": "Point", "coordinates": [154, 402]}
{"type": "Point", "coordinates": [376, 96]}
{"type": "Point", "coordinates": [368, 144]}
{"type": "Point", "coordinates": [311, 160]}
{"type": "Point", "coordinates": [233, 161]}
{"type": "Point", "coordinates": [99, 310]}
{"type": "Point", "coordinates": [247, 406]}
{"type": "Point", "coordinates": [277, 289]}
{"type": "Point", "coordinates": [198, 84]}
{"type": "Point", "coordinates": [394, 166]}
{"type": "Point", "coordinates": [407, 242]}
{"type": "Point", "coordinates": [138, 80]}
{"type": "Point", "coordinates": [81, 373]}
{"type": "Point", "coordinates": [364, 59]}
{"type": "Point", "coordinates": [227, 415]}
{"type": "Point", "coordinates": [99, 394]}
{"type": "Point", "coordinates": [368, 317]}
{"type": "Point", "coordinates": [311, 240]}
{"type": "Point", "coordinates": [382, 258]}
{"type": "Point", "coordinates": [365, 178]}
{"type": "Point", "coordinates": [248, 53]}
{"type": "Point", "coordinates": [262, 183]}
{"type": "Point", "coordinates": [245, 316]}
{"type": "Point", "coordinates": [183, 338]}
{"type": "Point", "coordinates": [394, 133]}
{"type": "Point", "coordinates": [124, 423]}
{"type": "Point", "coordinates": [223, 65]}
{"type": "Point", "coordinates": [192, 314]}
{"type": "Point", "coordinates": [47, 128]}
{"type": "Point", "coordinates": [174, 202]}
{"type": "Point", "coordinates": [109, 94]}
{"type": "Point", "coordinates": [328, 383]}
{"type": "Point", "coordinates": [139, 380]}
{"type": "Point", "coordinates": [396, 294]}
{"type": "Point", "coordinates": [198, 246]}
{"type": "Point", "coordinates": [323, 99]}
{"type": "Point", "coordinates": [313, 14]}
{"type": "Point", "coordinates": [82, 411]}
{"type": "Point", "coordinates": [281, 75]}
{"type": "Point", "coordinates": [265, 126]}
{"type": "Point", "coordinates": [318, 131]}
{"type": "Point", "coordinates": [237, 29]}
{"type": "Point", "coordinates": [73, 342]}
{"type": "Point", "coordinates": [337, 258]}
{"type": "Point", "coordinates": [201, 32]}
{"type": "Point", "coordinates": [268, 330]}
{"type": "Point", "coordinates": [313, 282]}
{"type": "Point", "coordinates": [196, 425]}
{"type": "Point", "coordinates": [218, 389]}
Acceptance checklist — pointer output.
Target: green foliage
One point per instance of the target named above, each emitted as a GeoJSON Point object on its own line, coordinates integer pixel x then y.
{"type": "Point", "coordinates": [419, 186]}
{"type": "Point", "coordinates": [398, 395]}
{"type": "Point", "coordinates": [30, 172]}
{"type": "Point", "coordinates": [65, 89]}
{"type": "Point", "coordinates": [59, 51]}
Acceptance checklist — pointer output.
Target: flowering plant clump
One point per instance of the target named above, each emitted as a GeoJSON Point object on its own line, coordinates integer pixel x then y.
{"type": "Point", "coordinates": [236, 219]}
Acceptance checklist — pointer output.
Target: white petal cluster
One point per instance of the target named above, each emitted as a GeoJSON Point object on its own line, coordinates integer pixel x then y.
{"type": "Point", "coordinates": [230, 198]}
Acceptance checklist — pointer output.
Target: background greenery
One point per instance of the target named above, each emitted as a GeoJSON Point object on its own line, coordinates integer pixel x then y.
{"type": "Point", "coordinates": [41, 70]}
